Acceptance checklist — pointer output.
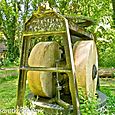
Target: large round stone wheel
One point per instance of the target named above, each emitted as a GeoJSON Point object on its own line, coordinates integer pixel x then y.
{"type": "Point", "coordinates": [44, 54]}
{"type": "Point", "coordinates": [86, 65]}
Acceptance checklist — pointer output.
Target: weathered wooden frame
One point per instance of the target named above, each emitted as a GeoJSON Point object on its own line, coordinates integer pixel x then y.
{"type": "Point", "coordinates": [69, 69]}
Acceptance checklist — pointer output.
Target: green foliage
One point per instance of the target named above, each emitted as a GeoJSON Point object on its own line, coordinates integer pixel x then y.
{"type": "Point", "coordinates": [106, 47]}
{"type": "Point", "coordinates": [110, 93]}
{"type": "Point", "coordinates": [8, 16]}
{"type": "Point", "coordinates": [88, 106]}
{"type": "Point", "coordinates": [13, 15]}
{"type": "Point", "coordinates": [101, 13]}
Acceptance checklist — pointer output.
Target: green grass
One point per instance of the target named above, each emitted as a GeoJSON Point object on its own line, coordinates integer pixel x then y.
{"type": "Point", "coordinates": [110, 100]}
{"type": "Point", "coordinates": [5, 73]}
{"type": "Point", "coordinates": [108, 88]}
{"type": "Point", "coordinates": [8, 89]}
{"type": "Point", "coordinates": [8, 92]}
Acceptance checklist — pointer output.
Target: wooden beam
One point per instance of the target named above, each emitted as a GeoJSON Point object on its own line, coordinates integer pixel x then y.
{"type": "Point", "coordinates": [77, 31]}
{"type": "Point", "coordinates": [29, 34]}
{"type": "Point", "coordinates": [53, 69]}
{"type": "Point", "coordinates": [106, 72]}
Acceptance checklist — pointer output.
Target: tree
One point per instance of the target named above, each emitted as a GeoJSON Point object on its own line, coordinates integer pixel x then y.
{"type": "Point", "coordinates": [8, 16]}
{"type": "Point", "coordinates": [14, 13]}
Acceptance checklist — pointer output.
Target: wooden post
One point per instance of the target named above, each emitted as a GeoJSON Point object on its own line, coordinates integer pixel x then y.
{"type": "Point", "coordinates": [22, 73]}
{"type": "Point", "coordinates": [72, 75]}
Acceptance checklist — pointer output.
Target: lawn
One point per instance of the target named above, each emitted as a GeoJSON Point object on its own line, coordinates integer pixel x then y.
{"type": "Point", "coordinates": [8, 89]}
{"type": "Point", "coordinates": [108, 87]}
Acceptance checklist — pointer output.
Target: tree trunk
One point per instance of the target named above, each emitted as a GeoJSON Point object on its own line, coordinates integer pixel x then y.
{"type": "Point", "coordinates": [10, 46]}
{"type": "Point", "coordinates": [113, 4]}
{"type": "Point", "coordinates": [106, 72]}
{"type": "Point", "coordinates": [10, 33]}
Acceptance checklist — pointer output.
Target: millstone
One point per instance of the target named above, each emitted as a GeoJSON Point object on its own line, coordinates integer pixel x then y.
{"type": "Point", "coordinates": [43, 54]}
{"type": "Point", "coordinates": [85, 57]}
